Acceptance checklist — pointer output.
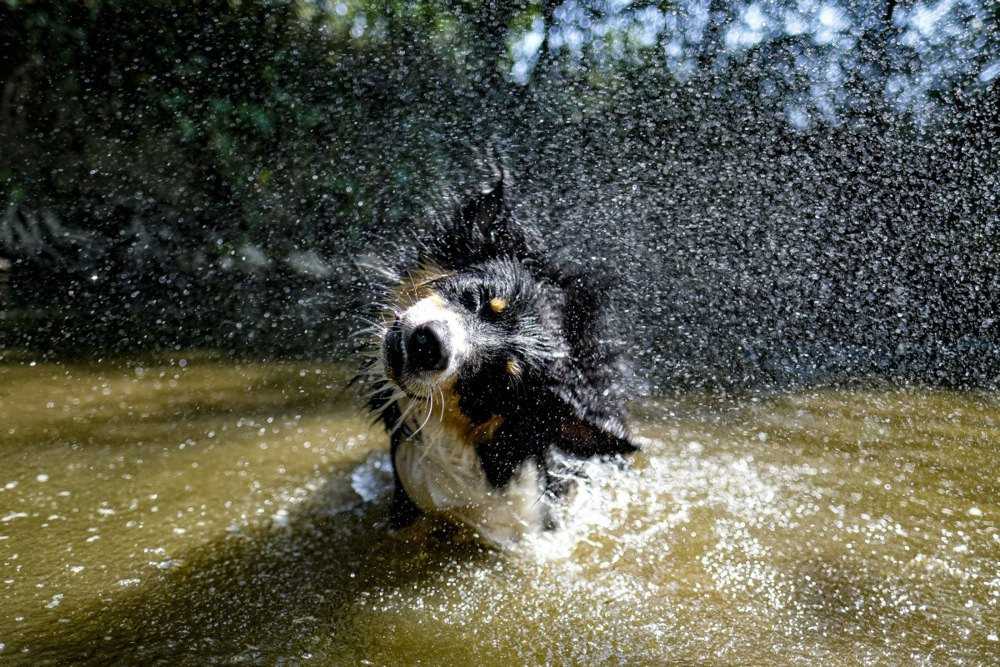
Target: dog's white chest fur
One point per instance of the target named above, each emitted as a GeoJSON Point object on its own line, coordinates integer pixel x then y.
{"type": "Point", "coordinates": [443, 476]}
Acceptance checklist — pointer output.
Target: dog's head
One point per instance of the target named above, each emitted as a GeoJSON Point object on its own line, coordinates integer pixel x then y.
{"type": "Point", "coordinates": [492, 331]}
{"type": "Point", "coordinates": [483, 327]}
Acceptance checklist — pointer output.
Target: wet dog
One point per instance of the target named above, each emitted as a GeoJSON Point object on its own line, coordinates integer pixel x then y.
{"type": "Point", "coordinates": [494, 370]}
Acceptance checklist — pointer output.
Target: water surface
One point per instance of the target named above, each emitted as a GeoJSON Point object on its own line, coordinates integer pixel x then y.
{"type": "Point", "coordinates": [204, 510]}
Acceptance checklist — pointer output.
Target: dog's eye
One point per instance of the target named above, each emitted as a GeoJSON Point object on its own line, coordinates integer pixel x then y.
{"type": "Point", "coordinates": [497, 305]}
{"type": "Point", "coordinates": [470, 300]}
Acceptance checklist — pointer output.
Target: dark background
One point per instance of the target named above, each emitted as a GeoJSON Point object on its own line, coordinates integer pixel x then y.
{"type": "Point", "coordinates": [789, 192]}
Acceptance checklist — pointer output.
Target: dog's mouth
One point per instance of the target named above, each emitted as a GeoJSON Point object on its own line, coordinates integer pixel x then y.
{"type": "Point", "coordinates": [413, 383]}
{"type": "Point", "coordinates": [423, 347]}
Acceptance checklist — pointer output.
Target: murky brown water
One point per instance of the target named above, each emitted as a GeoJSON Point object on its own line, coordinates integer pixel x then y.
{"type": "Point", "coordinates": [196, 511]}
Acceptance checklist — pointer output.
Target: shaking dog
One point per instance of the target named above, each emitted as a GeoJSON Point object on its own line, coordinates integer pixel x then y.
{"type": "Point", "coordinates": [494, 369]}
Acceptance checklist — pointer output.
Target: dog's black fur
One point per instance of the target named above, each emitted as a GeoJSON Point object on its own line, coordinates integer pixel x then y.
{"type": "Point", "coordinates": [568, 395]}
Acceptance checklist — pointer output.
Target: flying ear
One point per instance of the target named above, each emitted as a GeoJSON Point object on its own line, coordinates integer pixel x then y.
{"type": "Point", "coordinates": [482, 228]}
{"type": "Point", "coordinates": [587, 431]}
{"type": "Point", "coordinates": [589, 382]}
{"type": "Point", "coordinates": [486, 211]}
{"type": "Point", "coordinates": [586, 439]}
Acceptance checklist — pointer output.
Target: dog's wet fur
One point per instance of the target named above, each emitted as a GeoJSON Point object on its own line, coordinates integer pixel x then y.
{"type": "Point", "coordinates": [495, 370]}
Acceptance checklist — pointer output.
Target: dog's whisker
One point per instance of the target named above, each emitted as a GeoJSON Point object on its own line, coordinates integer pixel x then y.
{"type": "Point", "coordinates": [392, 400]}
{"type": "Point", "coordinates": [541, 495]}
{"type": "Point", "coordinates": [375, 392]}
{"type": "Point", "coordinates": [402, 418]}
{"type": "Point", "coordinates": [375, 328]}
{"type": "Point", "coordinates": [373, 325]}
{"type": "Point", "coordinates": [430, 411]}
{"type": "Point", "coordinates": [427, 450]}
{"type": "Point", "coordinates": [388, 389]}
{"type": "Point", "coordinates": [374, 368]}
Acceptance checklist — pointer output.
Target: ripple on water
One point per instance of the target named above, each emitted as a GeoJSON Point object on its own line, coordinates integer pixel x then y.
{"type": "Point", "coordinates": [820, 527]}
{"type": "Point", "coordinates": [700, 542]}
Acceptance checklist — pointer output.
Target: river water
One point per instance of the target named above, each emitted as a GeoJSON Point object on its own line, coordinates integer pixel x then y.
{"type": "Point", "coordinates": [194, 510]}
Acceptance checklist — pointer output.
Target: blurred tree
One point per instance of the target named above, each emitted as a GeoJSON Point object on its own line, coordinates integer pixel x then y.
{"type": "Point", "coordinates": [809, 188]}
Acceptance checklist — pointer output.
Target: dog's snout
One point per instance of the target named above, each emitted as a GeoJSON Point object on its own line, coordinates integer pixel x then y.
{"type": "Point", "coordinates": [427, 347]}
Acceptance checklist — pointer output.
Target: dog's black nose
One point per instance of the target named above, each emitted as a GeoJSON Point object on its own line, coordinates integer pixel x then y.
{"type": "Point", "coordinates": [427, 348]}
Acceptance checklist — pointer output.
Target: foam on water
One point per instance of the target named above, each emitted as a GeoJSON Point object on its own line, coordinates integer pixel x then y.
{"type": "Point", "coordinates": [372, 479]}
{"type": "Point", "coordinates": [715, 519]}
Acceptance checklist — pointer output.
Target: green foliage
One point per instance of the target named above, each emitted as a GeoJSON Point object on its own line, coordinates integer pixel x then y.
{"type": "Point", "coordinates": [196, 102]}
{"type": "Point", "coordinates": [148, 150]}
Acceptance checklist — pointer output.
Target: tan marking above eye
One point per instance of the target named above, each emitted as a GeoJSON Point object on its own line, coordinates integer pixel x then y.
{"type": "Point", "coordinates": [417, 284]}
{"type": "Point", "coordinates": [514, 367]}
{"type": "Point", "coordinates": [498, 304]}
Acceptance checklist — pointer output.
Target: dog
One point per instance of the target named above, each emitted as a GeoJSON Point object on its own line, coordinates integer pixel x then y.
{"type": "Point", "coordinates": [494, 369]}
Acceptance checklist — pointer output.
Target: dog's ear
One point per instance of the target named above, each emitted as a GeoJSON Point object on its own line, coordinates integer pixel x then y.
{"type": "Point", "coordinates": [483, 228]}
{"type": "Point", "coordinates": [591, 381]}
{"type": "Point", "coordinates": [586, 430]}
{"type": "Point", "coordinates": [487, 211]}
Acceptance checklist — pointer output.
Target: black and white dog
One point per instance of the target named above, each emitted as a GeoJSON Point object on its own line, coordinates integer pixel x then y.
{"type": "Point", "coordinates": [494, 371]}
